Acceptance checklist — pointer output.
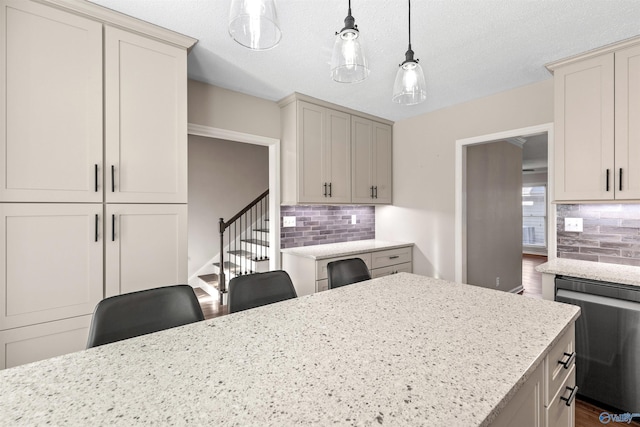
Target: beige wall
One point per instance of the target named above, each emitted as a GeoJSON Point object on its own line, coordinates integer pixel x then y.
{"type": "Point", "coordinates": [534, 178]}
{"type": "Point", "coordinates": [494, 215]}
{"type": "Point", "coordinates": [423, 169]}
{"type": "Point", "coordinates": [220, 108]}
{"type": "Point", "coordinates": [224, 177]}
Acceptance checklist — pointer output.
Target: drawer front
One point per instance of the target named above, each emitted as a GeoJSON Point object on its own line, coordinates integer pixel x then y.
{"type": "Point", "coordinates": [382, 259]}
{"type": "Point", "coordinates": [407, 267]}
{"type": "Point", "coordinates": [321, 266]}
{"type": "Point", "coordinates": [322, 285]}
{"type": "Point", "coordinates": [558, 364]}
{"type": "Point", "coordinates": [558, 414]}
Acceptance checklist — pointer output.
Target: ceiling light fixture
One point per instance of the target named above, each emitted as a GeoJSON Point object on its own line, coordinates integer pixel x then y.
{"type": "Point", "coordinates": [348, 63]}
{"type": "Point", "coordinates": [254, 23]}
{"type": "Point", "coordinates": [409, 87]}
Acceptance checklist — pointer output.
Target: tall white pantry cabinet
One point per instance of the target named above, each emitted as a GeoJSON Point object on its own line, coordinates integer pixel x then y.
{"type": "Point", "coordinates": [93, 179]}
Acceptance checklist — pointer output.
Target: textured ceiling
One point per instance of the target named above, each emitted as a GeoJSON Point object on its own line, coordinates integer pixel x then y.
{"type": "Point", "coordinates": [468, 48]}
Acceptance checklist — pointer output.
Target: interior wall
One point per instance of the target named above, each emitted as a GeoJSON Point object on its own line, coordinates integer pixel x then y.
{"type": "Point", "coordinates": [423, 210]}
{"type": "Point", "coordinates": [494, 215]}
{"type": "Point", "coordinates": [534, 178]}
{"type": "Point", "coordinates": [224, 177]}
{"type": "Point", "coordinates": [225, 109]}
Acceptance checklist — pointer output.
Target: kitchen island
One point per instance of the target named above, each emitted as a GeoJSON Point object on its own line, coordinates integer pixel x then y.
{"type": "Point", "coordinates": [398, 350]}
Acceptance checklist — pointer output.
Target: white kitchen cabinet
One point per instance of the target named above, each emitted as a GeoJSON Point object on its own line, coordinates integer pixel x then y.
{"type": "Point", "coordinates": [597, 135]}
{"type": "Point", "coordinates": [370, 161]}
{"type": "Point", "coordinates": [146, 119]}
{"type": "Point", "coordinates": [525, 408]}
{"type": "Point", "coordinates": [52, 261]}
{"type": "Point", "coordinates": [145, 247]}
{"type": "Point", "coordinates": [51, 114]}
{"type": "Point", "coordinates": [318, 155]}
{"type": "Point", "coordinates": [309, 274]}
{"type": "Point", "coordinates": [42, 341]}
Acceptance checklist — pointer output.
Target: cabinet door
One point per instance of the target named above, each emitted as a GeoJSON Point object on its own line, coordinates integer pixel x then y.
{"type": "Point", "coordinates": [337, 155]}
{"type": "Point", "coordinates": [627, 70]}
{"type": "Point", "coordinates": [382, 163]}
{"type": "Point", "coordinates": [43, 341]}
{"type": "Point", "coordinates": [362, 160]}
{"type": "Point", "coordinates": [146, 247]}
{"type": "Point", "coordinates": [51, 261]}
{"type": "Point", "coordinates": [312, 184]}
{"type": "Point", "coordinates": [51, 114]}
{"type": "Point", "coordinates": [146, 119]}
{"type": "Point", "coordinates": [584, 118]}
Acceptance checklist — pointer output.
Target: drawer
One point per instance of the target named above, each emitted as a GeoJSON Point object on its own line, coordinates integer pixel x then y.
{"type": "Point", "coordinates": [393, 269]}
{"type": "Point", "coordinates": [321, 265]}
{"type": "Point", "coordinates": [389, 257]}
{"type": "Point", "coordinates": [322, 285]}
{"type": "Point", "coordinates": [558, 414]}
{"type": "Point", "coordinates": [558, 364]}
{"type": "Point", "coordinates": [37, 342]}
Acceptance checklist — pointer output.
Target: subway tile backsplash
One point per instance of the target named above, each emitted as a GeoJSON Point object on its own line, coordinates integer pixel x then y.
{"type": "Point", "coordinates": [317, 225]}
{"type": "Point", "coordinates": [611, 233]}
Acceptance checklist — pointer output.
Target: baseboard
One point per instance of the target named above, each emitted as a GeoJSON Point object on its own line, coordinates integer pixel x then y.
{"type": "Point", "coordinates": [517, 289]}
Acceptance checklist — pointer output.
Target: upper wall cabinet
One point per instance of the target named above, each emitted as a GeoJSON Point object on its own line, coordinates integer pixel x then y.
{"type": "Point", "coordinates": [333, 155]}
{"type": "Point", "coordinates": [597, 142]}
{"type": "Point", "coordinates": [51, 81]}
{"type": "Point", "coordinates": [146, 119]}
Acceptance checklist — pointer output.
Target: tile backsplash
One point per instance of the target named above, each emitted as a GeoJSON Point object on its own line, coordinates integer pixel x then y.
{"type": "Point", "coordinates": [611, 233]}
{"type": "Point", "coordinates": [317, 225]}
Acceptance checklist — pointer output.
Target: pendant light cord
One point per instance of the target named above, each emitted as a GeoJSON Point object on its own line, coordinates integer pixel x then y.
{"type": "Point", "coordinates": [409, 24]}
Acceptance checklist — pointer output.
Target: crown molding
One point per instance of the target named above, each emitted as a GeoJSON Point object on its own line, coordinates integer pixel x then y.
{"type": "Point", "coordinates": [551, 66]}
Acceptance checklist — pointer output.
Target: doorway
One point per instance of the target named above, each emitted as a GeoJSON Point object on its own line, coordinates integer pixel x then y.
{"type": "Point", "coordinates": [461, 231]}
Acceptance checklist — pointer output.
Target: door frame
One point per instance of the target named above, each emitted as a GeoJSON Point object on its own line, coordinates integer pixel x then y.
{"type": "Point", "coordinates": [460, 191]}
{"type": "Point", "coordinates": [273, 144]}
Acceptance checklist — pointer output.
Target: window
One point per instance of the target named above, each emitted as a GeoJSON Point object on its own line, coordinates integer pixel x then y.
{"type": "Point", "coordinates": [534, 216]}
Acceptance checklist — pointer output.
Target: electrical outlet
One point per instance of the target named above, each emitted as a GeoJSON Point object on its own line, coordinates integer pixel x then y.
{"type": "Point", "coordinates": [353, 219]}
{"type": "Point", "coordinates": [573, 224]}
{"type": "Point", "coordinates": [288, 221]}
{"type": "Point", "coordinates": [497, 282]}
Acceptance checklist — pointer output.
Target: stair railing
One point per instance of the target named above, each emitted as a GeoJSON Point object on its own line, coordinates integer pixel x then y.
{"type": "Point", "coordinates": [251, 218]}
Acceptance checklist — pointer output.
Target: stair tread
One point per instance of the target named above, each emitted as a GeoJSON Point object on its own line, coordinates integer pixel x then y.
{"type": "Point", "coordinates": [248, 255]}
{"type": "Point", "coordinates": [262, 230]}
{"type": "Point", "coordinates": [256, 242]}
{"type": "Point", "coordinates": [210, 278]}
{"type": "Point", "coordinates": [227, 265]}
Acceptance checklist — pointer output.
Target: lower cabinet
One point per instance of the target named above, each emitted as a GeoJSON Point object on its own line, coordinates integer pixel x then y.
{"type": "Point", "coordinates": [59, 260]}
{"type": "Point", "coordinates": [310, 275]}
{"type": "Point", "coordinates": [547, 398]}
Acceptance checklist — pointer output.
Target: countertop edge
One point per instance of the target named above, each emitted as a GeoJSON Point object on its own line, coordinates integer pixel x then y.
{"type": "Point", "coordinates": [345, 252]}
{"type": "Point", "coordinates": [623, 274]}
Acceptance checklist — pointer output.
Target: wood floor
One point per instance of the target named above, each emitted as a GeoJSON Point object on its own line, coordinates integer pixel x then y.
{"type": "Point", "coordinates": [587, 414]}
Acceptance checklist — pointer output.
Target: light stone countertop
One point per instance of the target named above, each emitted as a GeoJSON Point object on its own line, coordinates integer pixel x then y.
{"type": "Point", "coordinates": [625, 274]}
{"type": "Point", "coordinates": [333, 250]}
{"type": "Point", "coordinates": [398, 350]}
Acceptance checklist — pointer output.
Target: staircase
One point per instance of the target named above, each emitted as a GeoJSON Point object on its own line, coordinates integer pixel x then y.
{"type": "Point", "coordinates": [244, 245]}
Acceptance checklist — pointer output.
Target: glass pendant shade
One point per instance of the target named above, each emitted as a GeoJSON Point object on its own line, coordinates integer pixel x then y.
{"type": "Point", "coordinates": [254, 23]}
{"type": "Point", "coordinates": [409, 87]}
{"type": "Point", "coordinates": [348, 62]}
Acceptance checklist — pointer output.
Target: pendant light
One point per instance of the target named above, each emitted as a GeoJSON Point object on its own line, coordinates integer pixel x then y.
{"type": "Point", "coordinates": [348, 63]}
{"type": "Point", "coordinates": [409, 87]}
{"type": "Point", "coordinates": [254, 23]}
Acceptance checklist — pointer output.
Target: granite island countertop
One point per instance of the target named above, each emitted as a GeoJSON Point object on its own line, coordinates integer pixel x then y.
{"type": "Point", "coordinates": [625, 274]}
{"type": "Point", "coordinates": [398, 350]}
{"type": "Point", "coordinates": [332, 250]}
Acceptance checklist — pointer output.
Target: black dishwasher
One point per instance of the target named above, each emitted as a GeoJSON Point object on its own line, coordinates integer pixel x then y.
{"type": "Point", "coordinates": [607, 340]}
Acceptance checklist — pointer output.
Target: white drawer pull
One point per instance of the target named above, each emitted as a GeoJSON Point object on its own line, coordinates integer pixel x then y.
{"type": "Point", "coordinates": [394, 257]}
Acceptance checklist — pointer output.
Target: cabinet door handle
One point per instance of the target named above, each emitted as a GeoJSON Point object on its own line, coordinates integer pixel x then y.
{"type": "Point", "coordinates": [95, 170]}
{"type": "Point", "coordinates": [620, 180]}
{"type": "Point", "coordinates": [113, 179]}
{"type": "Point", "coordinates": [325, 190]}
{"type": "Point", "coordinates": [394, 257]}
{"type": "Point", "coordinates": [607, 179]}
{"type": "Point", "coordinates": [569, 400]}
{"type": "Point", "coordinates": [376, 189]}
{"type": "Point", "coordinates": [96, 239]}
{"type": "Point", "coordinates": [113, 228]}
{"type": "Point", "coordinates": [567, 363]}
{"type": "Point", "coordinates": [330, 190]}
{"type": "Point", "coordinates": [372, 191]}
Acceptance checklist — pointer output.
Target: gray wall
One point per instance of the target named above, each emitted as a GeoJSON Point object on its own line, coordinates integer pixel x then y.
{"type": "Point", "coordinates": [494, 215]}
{"type": "Point", "coordinates": [224, 177]}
